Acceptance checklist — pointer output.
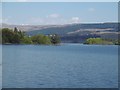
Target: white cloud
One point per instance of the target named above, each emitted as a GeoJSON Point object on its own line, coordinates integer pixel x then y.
{"type": "Point", "coordinates": [22, 0]}
{"type": "Point", "coordinates": [5, 20]}
{"type": "Point", "coordinates": [91, 9]}
{"type": "Point", "coordinates": [53, 15]}
{"type": "Point", "coordinates": [36, 20]}
{"type": "Point", "coordinates": [75, 19]}
{"type": "Point", "coordinates": [51, 20]}
{"type": "Point", "coordinates": [16, 0]}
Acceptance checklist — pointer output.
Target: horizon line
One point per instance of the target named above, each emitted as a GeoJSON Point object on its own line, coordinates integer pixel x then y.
{"type": "Point", "coordinates": [61, 24]}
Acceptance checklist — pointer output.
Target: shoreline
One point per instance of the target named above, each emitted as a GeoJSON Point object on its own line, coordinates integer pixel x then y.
{"type": "Point", "coordinates": [61, 44]}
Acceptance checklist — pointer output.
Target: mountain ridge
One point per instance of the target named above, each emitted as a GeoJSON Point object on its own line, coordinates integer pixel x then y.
{"type": "Point", "coordinates": [72, 32]}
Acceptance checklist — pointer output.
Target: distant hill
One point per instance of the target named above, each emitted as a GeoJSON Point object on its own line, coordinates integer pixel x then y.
{"type": "Point", "coordinates": [72, 32]}
{"type": "Point", "coordinates": [65, 29]}
{"type": "Point", "coordinates": [78, 33]}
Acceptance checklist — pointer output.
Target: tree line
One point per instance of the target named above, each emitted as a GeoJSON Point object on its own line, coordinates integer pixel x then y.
{"type": "Point", "coordinates": [16, 36]}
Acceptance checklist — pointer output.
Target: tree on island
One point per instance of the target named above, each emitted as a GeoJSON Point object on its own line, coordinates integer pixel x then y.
{"type": "Point", "coordinates": [7, 35]}
{"type": "Point", "coordinates": [18, 36]}
{"type": "Point", "coordinates": [55, 39]}
{"type": "Point", "coordinates": [11, 36]}
{"type": "Point", "coordinates": [15, 30]}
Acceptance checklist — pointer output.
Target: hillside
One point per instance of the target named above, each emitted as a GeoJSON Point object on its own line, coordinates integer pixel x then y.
{"type": "Point", "coordinates": [72, 32]}
{"type": "Point", "coordinates": [78, 33]}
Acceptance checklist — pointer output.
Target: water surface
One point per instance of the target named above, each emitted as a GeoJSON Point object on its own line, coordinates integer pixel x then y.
{"type": "Point", "coordinates": [65, 66]}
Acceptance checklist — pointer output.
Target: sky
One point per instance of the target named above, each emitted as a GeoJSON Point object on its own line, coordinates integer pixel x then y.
{"type": "Point", "coordinates": [55, 13]}
{"type": "Point", "coordinates": [60, 0]}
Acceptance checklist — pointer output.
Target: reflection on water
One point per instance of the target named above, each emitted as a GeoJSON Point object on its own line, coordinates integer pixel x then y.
{"type": "Point", "coordinates": [0, 66]}
{"type": "Point", "coordinates": [67, 66]}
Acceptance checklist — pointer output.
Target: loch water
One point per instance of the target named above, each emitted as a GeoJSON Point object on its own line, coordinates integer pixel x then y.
{"type": "Point", "coordinates": [64, 66]}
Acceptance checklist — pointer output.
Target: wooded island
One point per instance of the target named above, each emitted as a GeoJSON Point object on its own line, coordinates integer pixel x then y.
{"type": "Point", "coordinates": [16, 36]}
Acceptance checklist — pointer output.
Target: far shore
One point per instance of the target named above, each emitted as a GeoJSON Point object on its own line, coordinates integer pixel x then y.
{"type": "Point", "coordinates": [58, 44]}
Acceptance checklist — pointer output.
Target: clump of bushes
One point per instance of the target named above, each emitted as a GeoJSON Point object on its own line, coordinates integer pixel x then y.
{"type": "Point", "coordinates": [117, 42]}
{"type": "Point", "coordinates": [41, 39]}
{"type": "Point", "coordinates": [97, 41]}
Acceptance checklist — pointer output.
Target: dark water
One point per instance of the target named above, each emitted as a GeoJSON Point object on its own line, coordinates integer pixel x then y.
{"type": "Point", "coordinates": [66, 66]}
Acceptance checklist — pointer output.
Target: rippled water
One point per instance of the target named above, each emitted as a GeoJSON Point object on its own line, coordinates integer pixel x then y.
{"type": "Point", "coordinates": [66, 66]}
{"type": "Point", "coordinates": [0, 66]}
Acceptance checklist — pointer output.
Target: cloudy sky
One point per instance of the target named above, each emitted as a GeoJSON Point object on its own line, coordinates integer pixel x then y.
{"type": "Point", "coordinates": [44, 13]}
